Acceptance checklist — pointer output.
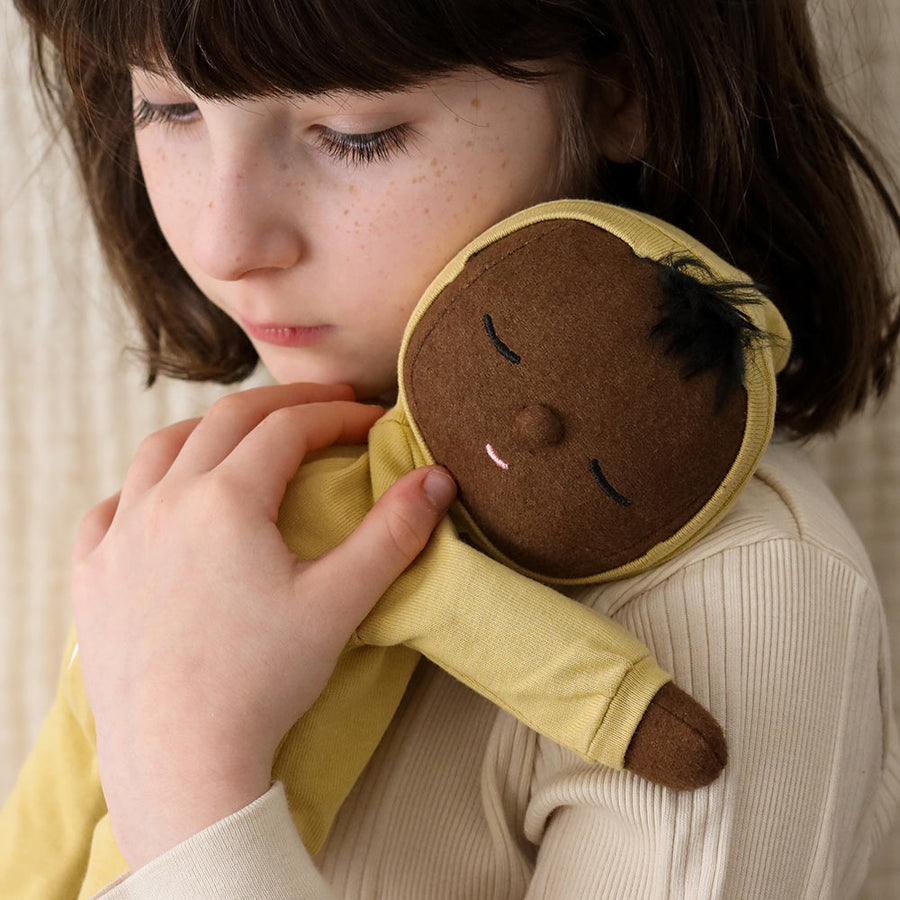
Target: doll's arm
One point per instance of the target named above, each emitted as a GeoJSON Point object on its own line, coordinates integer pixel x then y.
{"type": "Point", "coordinates": [569, 673]}
{"type": "Point", "coordinates": [575, 677]}
{"type": "Point", "coordinates": [55, 839]}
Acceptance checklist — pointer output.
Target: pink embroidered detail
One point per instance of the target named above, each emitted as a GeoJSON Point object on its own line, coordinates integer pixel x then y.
{"type": "Point", "coordinates": [492, 453]}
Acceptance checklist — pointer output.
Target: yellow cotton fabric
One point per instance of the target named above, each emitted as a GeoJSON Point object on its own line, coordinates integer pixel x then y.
{"type": "Point", "coordinates": [567, 672]}
{"type": "Point", "coordinates": [55, 836]}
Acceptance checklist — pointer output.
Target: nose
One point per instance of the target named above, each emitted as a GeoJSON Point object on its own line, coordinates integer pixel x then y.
{"type": "Point", "coordinates": [245, 221]}
{"type": "Point", "coordinates": [538, 425]}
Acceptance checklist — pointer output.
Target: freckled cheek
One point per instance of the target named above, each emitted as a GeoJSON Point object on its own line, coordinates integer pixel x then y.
{"type": "Point", "coordinates": [375, 212]}
{"type": "Point", "coordinates": [481, 179]}
{"type": "Point", "coordinates": [395, 234]}
{"type": "Point", "coordinates": [174, 185]}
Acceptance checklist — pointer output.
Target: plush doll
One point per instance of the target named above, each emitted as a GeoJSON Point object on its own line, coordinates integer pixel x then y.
{"type": "Point", "coordinates": [600, 411]}
{"type": "Point", "coordinates": [602, 387]}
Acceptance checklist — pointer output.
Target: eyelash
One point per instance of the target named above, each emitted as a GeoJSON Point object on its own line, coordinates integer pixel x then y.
{"type": "Point", "coordinates": [351, 148]}
{"type": "Point", "coordinates": [170, 114]}
{"type": "Point", "coordinates": [370, 147]}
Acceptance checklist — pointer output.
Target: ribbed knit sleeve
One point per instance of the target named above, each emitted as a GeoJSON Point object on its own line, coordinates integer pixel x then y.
{"type": "Point", "coordinates": [784, 642]}
{"type": "Point", "coordinates": [254, 853]}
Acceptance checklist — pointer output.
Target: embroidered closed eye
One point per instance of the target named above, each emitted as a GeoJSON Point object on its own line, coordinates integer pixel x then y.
{"type": "Point", "coordinates": [608, 489]}
{"type": "Point", "coordinates": [502, 348]}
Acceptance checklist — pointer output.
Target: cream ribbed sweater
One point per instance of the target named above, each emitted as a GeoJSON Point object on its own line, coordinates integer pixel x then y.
{"type": "Point", "coordinates": [772, 620]}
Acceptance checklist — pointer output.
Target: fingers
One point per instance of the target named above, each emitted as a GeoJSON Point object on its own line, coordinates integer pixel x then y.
{"type": "Point", "coordinates": [230, 419]}
{"type": "Point", "coordinates": [154, 457]}
{"type": "Point", "coordinates": [269, 456]}
{"type": "Point", "coordinates": [93, 527]}
{"type": "Point", "coordinates": [388, 539]}
{"type": "Point", "coordinates": [201, 443]}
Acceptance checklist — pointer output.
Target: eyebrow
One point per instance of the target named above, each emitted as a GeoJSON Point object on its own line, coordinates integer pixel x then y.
{"type": "Point", "coordinates": [502, 348]}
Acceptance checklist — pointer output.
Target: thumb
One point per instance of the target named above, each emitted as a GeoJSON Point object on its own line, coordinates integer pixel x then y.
{"type": "Point", "coordinates": [389, 538]}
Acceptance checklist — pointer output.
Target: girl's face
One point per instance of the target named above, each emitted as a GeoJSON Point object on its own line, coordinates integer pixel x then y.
{"type": "Point", "coordinates": [316, 222]}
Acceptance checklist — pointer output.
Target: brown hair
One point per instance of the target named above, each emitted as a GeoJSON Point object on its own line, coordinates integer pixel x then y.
{"type": "Point", "coordinates": [743, 148]}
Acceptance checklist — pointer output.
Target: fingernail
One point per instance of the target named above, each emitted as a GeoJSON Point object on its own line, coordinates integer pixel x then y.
{"type": "Point", "coordinates": [440, 489]}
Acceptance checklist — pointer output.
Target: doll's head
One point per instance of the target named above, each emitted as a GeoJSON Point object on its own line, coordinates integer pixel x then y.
{"type": "Point", "coordinates": [599, 409]}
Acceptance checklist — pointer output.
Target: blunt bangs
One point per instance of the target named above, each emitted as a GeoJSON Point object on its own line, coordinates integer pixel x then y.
{"type": "Point", "coordinates": [225, 49]}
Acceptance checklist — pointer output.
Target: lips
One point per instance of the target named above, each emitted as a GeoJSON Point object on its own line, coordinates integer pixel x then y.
{"type": "Point", "coordinates": [285, 335]}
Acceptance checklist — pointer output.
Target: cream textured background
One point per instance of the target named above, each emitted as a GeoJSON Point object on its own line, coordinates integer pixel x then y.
{"type": "Point", "coordinates": [73, 408]}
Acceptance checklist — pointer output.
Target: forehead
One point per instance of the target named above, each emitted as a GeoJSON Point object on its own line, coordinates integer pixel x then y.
{"type": "Point", "coordinates": [572, 300]}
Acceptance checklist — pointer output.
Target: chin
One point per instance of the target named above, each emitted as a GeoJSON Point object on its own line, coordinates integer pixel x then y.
{"type": "Point", "coordinates": [285, 370]}
{"type": "Point", "coordinates": [365, 389]}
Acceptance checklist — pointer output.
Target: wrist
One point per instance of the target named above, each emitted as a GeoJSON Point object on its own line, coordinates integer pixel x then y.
{"type": "Point", "coordinates": [157, 808]}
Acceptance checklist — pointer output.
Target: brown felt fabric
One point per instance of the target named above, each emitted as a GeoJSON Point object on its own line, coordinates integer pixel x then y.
{"type": "Point", "coordinates": [678, 743]}
{"type": "Point", "coordinates": [577, 306]}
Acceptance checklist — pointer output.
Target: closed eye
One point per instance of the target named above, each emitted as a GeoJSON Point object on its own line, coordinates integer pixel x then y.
{"type": "Point", "coordinates": [363, 148]}
{"type": "Point", "coordinates": [169, 114]}
{"type": "Point", "coordinates": [608, 489]}
{"type": "Point", "coordinates": [502, 348]}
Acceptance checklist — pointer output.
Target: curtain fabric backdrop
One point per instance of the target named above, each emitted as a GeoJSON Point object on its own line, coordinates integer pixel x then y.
{"type": "Point", "coordinates": [73, 408]}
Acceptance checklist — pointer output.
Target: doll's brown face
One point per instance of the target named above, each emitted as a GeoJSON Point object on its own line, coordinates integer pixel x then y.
{"type": "Point", "coordinates": [576, 442]}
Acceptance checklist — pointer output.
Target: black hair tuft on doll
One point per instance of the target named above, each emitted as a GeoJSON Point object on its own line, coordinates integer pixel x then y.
{"type": "Point", "coordinates": [703, 323]}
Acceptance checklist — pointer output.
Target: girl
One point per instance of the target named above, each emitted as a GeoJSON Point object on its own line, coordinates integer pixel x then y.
{"type": "Point", "coordinates": [280, 182]}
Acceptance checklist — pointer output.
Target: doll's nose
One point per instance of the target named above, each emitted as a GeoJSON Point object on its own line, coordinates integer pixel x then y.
{"type": "Point", "coordinates": [538, 426]}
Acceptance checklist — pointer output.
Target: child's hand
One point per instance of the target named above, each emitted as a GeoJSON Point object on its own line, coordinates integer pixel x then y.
{"type": "Point", "coordinates": [202, 638]}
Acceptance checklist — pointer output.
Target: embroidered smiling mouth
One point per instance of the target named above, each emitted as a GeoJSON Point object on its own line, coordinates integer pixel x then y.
{"type": "Point", "coordinates": [492, 453]}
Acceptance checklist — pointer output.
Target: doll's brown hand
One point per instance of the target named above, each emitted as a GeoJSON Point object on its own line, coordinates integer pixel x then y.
{"type": "Point", "coordinates": [202, 637]}
{"type": "Point", "coordinates": [678, 743]}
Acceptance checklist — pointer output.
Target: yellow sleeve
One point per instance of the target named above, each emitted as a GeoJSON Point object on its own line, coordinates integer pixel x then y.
{"type": "Point", "coordinates": [47, 825]}
{"type": "Point", "coordinates": [564, 670]}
